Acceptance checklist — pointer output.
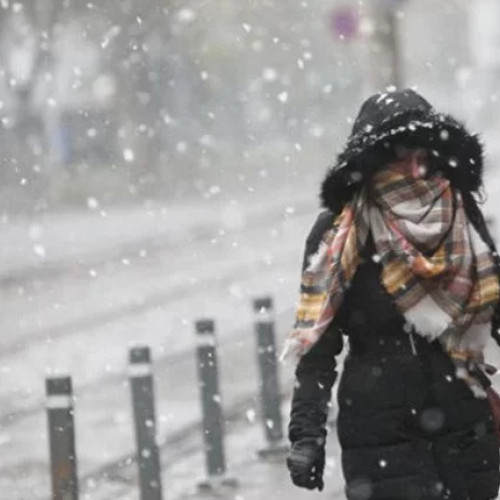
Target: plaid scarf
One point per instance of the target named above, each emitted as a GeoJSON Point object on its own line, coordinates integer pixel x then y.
{"type": "Point", "coordinates": [435, 266]}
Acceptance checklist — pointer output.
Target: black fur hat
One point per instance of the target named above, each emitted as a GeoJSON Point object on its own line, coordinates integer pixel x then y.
{"type": "Point", "coordinates": [402, 118]}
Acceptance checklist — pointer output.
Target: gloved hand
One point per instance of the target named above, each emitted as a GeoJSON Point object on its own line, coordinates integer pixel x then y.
{"type": "Point", "coordinates": [306, 463]}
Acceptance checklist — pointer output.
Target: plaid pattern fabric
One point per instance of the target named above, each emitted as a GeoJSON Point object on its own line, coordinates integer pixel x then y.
{"type": "Point", "coordinates": [435, 266]}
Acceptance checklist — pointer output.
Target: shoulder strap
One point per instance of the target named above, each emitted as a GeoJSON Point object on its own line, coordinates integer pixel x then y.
{"type": "Point", "coordinates": [476, 217]}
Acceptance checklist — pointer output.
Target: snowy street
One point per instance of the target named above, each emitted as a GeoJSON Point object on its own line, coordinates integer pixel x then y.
{"type": "Point", "coordinates": [151, 296]}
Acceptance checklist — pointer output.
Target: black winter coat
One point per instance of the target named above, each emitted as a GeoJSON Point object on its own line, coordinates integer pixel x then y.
{"type": "Point", "coordinates": [408, 428]}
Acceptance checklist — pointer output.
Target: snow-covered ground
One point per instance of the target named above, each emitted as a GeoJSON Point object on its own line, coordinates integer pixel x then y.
{"type": "Point", "coordinates": [78, 290]}
{"type": "Point", "coordinates": [256, 478]}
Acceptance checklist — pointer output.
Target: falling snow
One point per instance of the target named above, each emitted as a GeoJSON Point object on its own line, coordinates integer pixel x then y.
{"type": "Point", "coordinates": [161, 165]}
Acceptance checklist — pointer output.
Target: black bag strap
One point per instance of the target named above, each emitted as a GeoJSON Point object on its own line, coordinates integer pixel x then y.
{"type": "Point", "coordinates": [476, 217]}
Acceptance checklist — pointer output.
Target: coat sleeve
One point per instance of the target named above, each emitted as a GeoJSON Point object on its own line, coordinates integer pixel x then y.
{"type": "Point", "coordinates": [316, 371]}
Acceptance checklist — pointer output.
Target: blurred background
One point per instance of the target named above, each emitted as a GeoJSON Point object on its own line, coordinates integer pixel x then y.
{"type": "Point", "coordinates": [130, 101]}
{"type": "Point", "coordinates": [159, 162]}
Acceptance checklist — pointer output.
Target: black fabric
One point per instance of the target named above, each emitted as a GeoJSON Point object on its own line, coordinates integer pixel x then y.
{"type": "Point", "coordinates": [402, 118]}
{"type": "Point", "coordinates": [407, 426]}
{"type": "Point", "coordinates": [315, 376]}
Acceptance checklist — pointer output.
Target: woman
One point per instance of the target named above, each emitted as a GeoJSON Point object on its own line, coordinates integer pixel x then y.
{"type": "Point", "coordinates": [401, 263]}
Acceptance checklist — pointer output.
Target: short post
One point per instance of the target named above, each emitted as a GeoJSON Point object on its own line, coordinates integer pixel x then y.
{"type": "Point", "coordinates": [148, 460]}
{"type": "Point", "coordinates": [270, 398]}
{"type": "Point", "coordinates": [62, 438]}
{"type": "Point", "coordinates": [211, 401]}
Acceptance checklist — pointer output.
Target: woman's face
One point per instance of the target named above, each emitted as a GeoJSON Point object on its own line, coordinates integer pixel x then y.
{"type": "Point", "coordinates": [411, 162]}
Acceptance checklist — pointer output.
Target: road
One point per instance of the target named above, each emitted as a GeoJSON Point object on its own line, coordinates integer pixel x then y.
{"type": "Point", "coordinates": [80, 320]}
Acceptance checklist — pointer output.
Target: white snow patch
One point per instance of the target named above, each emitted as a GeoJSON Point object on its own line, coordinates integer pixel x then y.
{"type": "Point", "coordinates": [92, 203]}
{"type": "Point", "coordinates": [269, 74]}
{"type": "Point", "coordinates": [186, 16]}
{"type": "Point", "coordinates": [128, 155]}
{"type": "Point", "coordinates": [40, 250]}
{"type": "Point", "coordinates": [283, 97]}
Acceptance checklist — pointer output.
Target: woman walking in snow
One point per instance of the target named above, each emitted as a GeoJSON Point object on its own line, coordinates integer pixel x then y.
{"type": "Point", "coordinates": [400, 263]}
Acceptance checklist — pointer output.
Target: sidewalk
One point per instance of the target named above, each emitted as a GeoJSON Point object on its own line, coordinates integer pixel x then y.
{"type": "Point", "coordinates": [269, 479]}
{"type": "Point", "coordinates": [256, 478]}
{"type": "Point", "coordinates": [153, 301]}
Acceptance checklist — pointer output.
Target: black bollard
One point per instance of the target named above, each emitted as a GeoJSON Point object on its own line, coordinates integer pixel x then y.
{"type": "Point", "coordinates": [62, 438]}
{"type": "Point", "coordinates": [211, 401]}
{"type": "Point", "coordinates": [148, 460]}
{"type": "Point", "coordinates": [270, 397]}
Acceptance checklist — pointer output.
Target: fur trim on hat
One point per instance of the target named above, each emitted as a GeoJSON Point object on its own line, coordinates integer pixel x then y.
{"type": "Point", "coordinates": [457, 152]}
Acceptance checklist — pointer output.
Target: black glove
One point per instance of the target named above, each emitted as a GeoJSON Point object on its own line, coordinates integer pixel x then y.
{"type": "Point", "coordinates": [306, 463]}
